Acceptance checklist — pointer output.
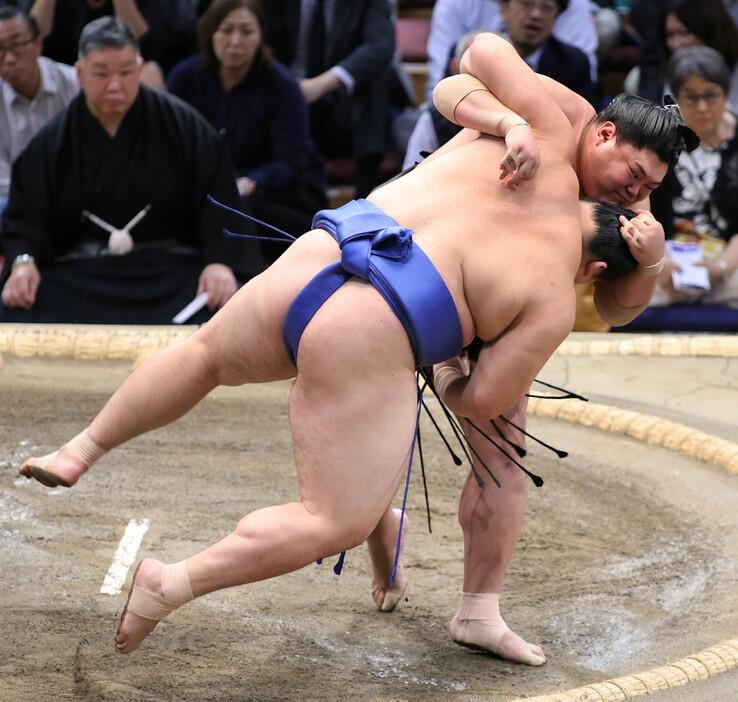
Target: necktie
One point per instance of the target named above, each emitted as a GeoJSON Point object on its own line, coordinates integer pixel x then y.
{"type": "Point", "coordinates": [316, 41]}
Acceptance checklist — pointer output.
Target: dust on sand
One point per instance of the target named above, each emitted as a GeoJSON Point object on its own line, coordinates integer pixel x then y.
{"type": "Point", "coordinates": [628, 557]}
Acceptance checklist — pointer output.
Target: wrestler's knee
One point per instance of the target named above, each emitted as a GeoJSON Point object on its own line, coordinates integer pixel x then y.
{"type": "Point", "coordinates": [325, 534]}
{"type": "Point", "coordinates": [344, 534]}
{"type": "Point", "coordinates": [205, 353]}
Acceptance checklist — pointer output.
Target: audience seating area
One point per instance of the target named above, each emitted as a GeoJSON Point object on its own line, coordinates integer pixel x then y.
{"type": "Point", "coordinates": [412, 27]}
{"type": "Point", "coordinates": [684, 318]}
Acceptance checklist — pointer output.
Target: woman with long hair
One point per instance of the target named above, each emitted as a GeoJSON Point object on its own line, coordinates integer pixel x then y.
{"type": "Point", "coordinates": [256, 105]}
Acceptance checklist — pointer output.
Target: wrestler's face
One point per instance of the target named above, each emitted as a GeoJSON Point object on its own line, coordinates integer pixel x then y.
{"type": "Point", "coordinates": [619, 173]}
{"type": "Point", "coordinates": [110, 80]}
{"type": "Point", "coordinates": [19, 57]}
{"type": "Point", "coordinates": [237, 39]}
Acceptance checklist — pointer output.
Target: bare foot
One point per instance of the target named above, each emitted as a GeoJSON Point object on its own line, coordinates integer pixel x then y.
{"type": "Point", "coordinates": [493, 635]}
{"type": "Point", "coordinates": [382, 547]}
{"type": "Point", "coordinates": [55, 469]}
{"type": "Point", "coordinates": [134, 628]}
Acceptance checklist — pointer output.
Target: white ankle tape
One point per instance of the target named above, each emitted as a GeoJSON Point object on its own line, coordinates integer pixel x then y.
{"type": "Point", "coordinates": [479, 606]}
{"type": "Point", "coordinates": [175, 583]}
{"type": "Point", "coordinates": [86, 448]}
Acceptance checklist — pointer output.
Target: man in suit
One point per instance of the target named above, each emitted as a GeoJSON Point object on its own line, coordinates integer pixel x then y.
{"type": "Point", "coordinates": [453, 18]}
{"type": "Point", "coordinates": [341, 53]}
{"type": "Point", "coordinates": [529, 27]}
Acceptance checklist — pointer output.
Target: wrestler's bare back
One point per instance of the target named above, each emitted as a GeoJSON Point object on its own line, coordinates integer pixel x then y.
{"type": "Point", "coordinates": [503, 254]}
{"type": "Point", "coordinates": [495, 246]}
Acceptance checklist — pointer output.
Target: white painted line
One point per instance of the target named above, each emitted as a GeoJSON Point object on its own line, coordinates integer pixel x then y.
{"type": "Point", "coordinates": [124, 556]}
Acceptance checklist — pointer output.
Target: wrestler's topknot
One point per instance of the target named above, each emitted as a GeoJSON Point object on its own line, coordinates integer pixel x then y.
{"type": "Point", "coordinates": [646, 125]}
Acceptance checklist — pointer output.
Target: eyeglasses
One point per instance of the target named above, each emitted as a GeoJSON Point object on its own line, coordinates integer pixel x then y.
{"type": "Point", "coordinates": [693, 99]}
{"type": "Point", "coordinates": [15, 48]}
{"type": "Point", "coordinates": [547, 9]}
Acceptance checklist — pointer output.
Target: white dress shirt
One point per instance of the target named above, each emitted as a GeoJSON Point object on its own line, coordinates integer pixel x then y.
{"type": "Point", "coordinates": [21, 118]}
{"type": "Point", "coordinates": [452, 19]}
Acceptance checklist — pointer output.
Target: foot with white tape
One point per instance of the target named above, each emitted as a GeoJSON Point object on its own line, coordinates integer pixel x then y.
{"type": "Point", "coordinates": [156, 591]}
{"type": "Point", "coordinates": [63, 468]}
{"type": "Point", "coordinates": [478, 625]}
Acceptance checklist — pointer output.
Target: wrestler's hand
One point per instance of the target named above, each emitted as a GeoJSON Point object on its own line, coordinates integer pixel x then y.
{"type": "Point", "coordinates": [218, 281]}
{"type": "Point", "coordinates": [20, 288]}
{"type": "Point", "coordinates": [522, 158]}
{"type": "Point", "coordinates": [645, 237]}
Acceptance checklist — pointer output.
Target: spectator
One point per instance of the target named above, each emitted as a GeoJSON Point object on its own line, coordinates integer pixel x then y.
{"type": "Point", "coordinates": [432, 129]}
{"type": "Point", "coordinates": [689, 23]}
{"type": "Point", "coordinates": [452, 19]}
{"type": "Point", "coordinates": [258, 108]}
{"type": "Point", "coordinates": [697, 201]}
{"type": "Point", "coordinates": [118, 153]}
{"type": "Point", "coordinates": [33, 88]}
{"type": "Point", "coordinates": [348, 84]}
{"type": "Point", "coordinates": [61, 23]}
{"type": "Point", "coordinates": [529, 27]}
{"type": "Point", "coordinates": [171, 37]}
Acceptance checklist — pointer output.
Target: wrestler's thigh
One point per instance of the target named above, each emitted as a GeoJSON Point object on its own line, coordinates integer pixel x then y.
{"type": "Point", "coordinates": [353, 407]}
{"type": "Point", "coordinates": [351, 445]}
{"type": "Point", "coordinates": [244, 339]}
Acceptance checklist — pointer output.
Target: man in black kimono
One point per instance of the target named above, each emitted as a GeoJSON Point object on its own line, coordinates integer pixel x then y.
{"type": "Point", "coordinates": [120, 157]}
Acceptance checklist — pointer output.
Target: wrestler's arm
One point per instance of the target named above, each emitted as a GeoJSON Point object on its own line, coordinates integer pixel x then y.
{"type": "Point", "coordinates": [522, 157]}
{"type": "Point", "coordinates": [506, 366]}
{"type": "Point", "coordinates": [496, 62]}
{"type": "Point", "coordinates": [472, 98]}
{"type": "Point", "coordinates": [465, 100]}
{"type": "Point", "coordinates": [487, 99]}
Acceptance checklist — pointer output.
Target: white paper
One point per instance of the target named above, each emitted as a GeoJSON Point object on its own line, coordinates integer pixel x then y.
{"type": "Point", "coordinates": [691, 278]}
{"type": "Point", "coordinates": [192, 308]}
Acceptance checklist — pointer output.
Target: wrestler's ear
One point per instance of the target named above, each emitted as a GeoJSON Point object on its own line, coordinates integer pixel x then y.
{"type": "Point", "coordinates": [589, 271]}
{"type": "Point", "coordinates": [605, 132]}
{"type": "Point", "coordinates": [594, 268]}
